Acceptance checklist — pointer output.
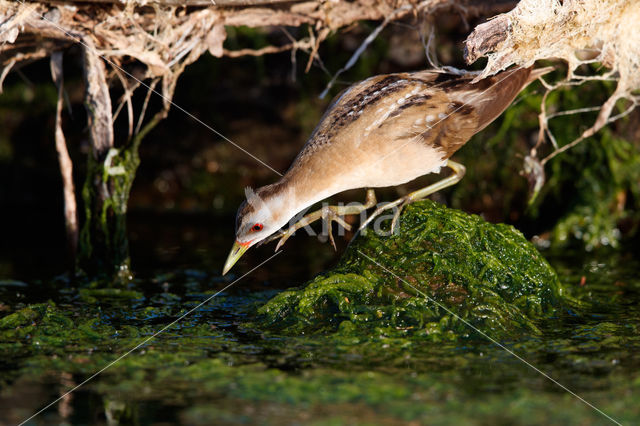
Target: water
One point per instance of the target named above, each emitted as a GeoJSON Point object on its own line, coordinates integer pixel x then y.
{"type": "Point", "coordinates": [218, 366]}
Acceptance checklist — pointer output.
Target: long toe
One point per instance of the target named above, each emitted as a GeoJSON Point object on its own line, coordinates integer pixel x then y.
{"type": "Point", "coordinates": [395, 222]}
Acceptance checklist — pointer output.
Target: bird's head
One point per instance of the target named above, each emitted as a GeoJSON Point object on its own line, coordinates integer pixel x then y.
{"type": "Point", "coordinates": [259, 216]}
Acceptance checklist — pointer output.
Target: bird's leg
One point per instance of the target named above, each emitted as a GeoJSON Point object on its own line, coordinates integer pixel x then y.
{"type": "Point", "coordinates": [458, 173]}
{"type": "Point", "coordinates": [328, 214]}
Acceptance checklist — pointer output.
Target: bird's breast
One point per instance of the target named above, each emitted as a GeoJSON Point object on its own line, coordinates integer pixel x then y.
{"type": "Point", "coordinates": [375, 163]}
{"type": "Point", "coordinates": [398, 163]}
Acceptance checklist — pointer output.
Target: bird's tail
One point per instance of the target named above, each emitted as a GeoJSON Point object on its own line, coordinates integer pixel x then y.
{"type": "Point", "coordinates": [538, 72]}
{"type": "Point", "coordinates": [494, 94]}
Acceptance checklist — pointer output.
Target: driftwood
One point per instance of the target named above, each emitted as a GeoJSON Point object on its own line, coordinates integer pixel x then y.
{"type": "Point", "coordinates": [578, 32]}
{"type": "Point", "coordinates": [486, 37]}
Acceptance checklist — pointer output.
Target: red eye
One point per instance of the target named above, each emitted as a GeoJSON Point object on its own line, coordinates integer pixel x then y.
{"type": "Point", "coordinates": [257, 227]}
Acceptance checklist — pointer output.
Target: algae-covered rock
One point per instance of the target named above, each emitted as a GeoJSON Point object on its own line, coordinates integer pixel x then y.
{"type": "Point", "coordinates": [46, 327]}
{"type": "Point", "coordinates": [442, 266]}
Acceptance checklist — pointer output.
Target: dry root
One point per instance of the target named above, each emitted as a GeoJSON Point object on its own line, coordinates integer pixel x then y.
{"type": "Point", "coordinates": [578, 32]}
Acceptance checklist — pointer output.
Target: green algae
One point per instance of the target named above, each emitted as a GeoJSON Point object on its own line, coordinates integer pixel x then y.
{"type": "Point", "coordinates": [605, 176]}
{"type": "Point", "coordinates": [223, 364]}
{"type": "Point", "coordinates": [104, 244]}
{"type": "Point", "coordinates": [443, 271]}
{"type": "Point", "coordinates": [92, 295]}
{"type": "Point", "coordinates": [356, 345]}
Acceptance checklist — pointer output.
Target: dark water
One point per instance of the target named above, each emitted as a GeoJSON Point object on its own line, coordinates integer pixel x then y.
{"type": "Point", "coordinates": [216, 366]}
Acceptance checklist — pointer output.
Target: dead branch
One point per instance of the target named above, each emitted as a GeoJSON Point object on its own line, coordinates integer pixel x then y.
{"type": "Point", "coordinates": [367, 41]}
{"type": "Point", "coordinates": [184, 3]}
{"type": "Point", "coordinates": [262, 51]}
{"type": "Point", "coordinates": [126, 99]}
{"type": "Point", "coordinates": [66, 166]}
{"type": "Point", "coordinates": [143, 111]}
{"type": "Point", "coordinates": [486, 37]}
{"type": "Point", "coordinates": [5, 71]}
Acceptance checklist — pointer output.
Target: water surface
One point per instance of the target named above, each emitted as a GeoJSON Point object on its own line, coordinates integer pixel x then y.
{"type": "Point", "coordinates": [217, 366]}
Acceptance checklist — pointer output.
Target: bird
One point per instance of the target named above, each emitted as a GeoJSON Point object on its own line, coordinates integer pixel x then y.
{"type": "Point", "coordinates": [384, 131]}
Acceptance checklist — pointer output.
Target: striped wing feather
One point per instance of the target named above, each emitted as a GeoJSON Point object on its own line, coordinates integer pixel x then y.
{"type": "Point", "coordinates": [457, 109]}
{"type": "Point", "coordinates": [446, 112]}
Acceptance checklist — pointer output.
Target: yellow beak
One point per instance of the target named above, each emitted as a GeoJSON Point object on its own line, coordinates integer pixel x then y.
{"type": "Point", "coordinates": [237, 251]}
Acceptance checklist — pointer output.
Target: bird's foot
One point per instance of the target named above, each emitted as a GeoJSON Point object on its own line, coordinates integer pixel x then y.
{"type": "Point", "coordinates": [397, 204]}
{"type": "Point", "coordinates": [328, 214]}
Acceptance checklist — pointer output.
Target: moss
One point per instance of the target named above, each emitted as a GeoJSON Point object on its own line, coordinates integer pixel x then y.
{"type": "Point", "coordinates": [219, 363]}
{"type": "Point", "coordinates": [92, 295]}
{"type": "Point", "coordinates": [104, 247]}
{"type": "Point", "coordinates": [21, 318]}
{"type": "Point", "coordinates": [604, 175]}
{"type": "Point", "coordinates": [442, 262]}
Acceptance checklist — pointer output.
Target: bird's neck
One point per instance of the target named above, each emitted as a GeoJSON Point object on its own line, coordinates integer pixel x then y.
{"type": "Point", "coordinates": [294, 193]}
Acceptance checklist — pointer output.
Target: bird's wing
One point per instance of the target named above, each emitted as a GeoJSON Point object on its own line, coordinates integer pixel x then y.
{"type": "Point", "coordinates": [432, 118]}
{"type": "Point", "coordinates": [450, 110]}
{"type": "Point", "coordinates": [346, 108]}
{"type": "Point", "coordinates": [399, 106]}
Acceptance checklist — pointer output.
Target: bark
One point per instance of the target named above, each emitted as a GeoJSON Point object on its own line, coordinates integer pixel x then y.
{"type": "Point", "coordinates": [98, 104]}
{"type": "Point", "coordinates": [486, 38]}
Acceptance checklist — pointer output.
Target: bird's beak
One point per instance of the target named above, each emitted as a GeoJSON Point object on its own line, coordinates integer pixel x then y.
{"type": "Point", "coordinates": [237, 251]}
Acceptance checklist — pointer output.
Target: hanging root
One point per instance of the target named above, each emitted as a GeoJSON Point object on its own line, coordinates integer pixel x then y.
{"type": "Point", "coordinates": [578, 32]}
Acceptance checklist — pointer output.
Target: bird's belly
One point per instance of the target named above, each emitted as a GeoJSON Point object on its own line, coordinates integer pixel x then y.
{"type": "Point", "coordinates": [395, 164]}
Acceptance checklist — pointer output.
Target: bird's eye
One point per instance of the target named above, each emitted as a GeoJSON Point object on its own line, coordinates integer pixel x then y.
{"type": "Point", "coordinates": [257, 227]}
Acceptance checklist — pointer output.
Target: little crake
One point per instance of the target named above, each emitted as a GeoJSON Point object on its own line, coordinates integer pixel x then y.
{"type": "Point", "coordinates": [384, 131]}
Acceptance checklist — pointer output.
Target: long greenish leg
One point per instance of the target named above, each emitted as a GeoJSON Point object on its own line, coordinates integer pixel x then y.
{"type": "Point", "coordinates": [328, 214]}
{"type": "Point", "coordinates": [458, 173]}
